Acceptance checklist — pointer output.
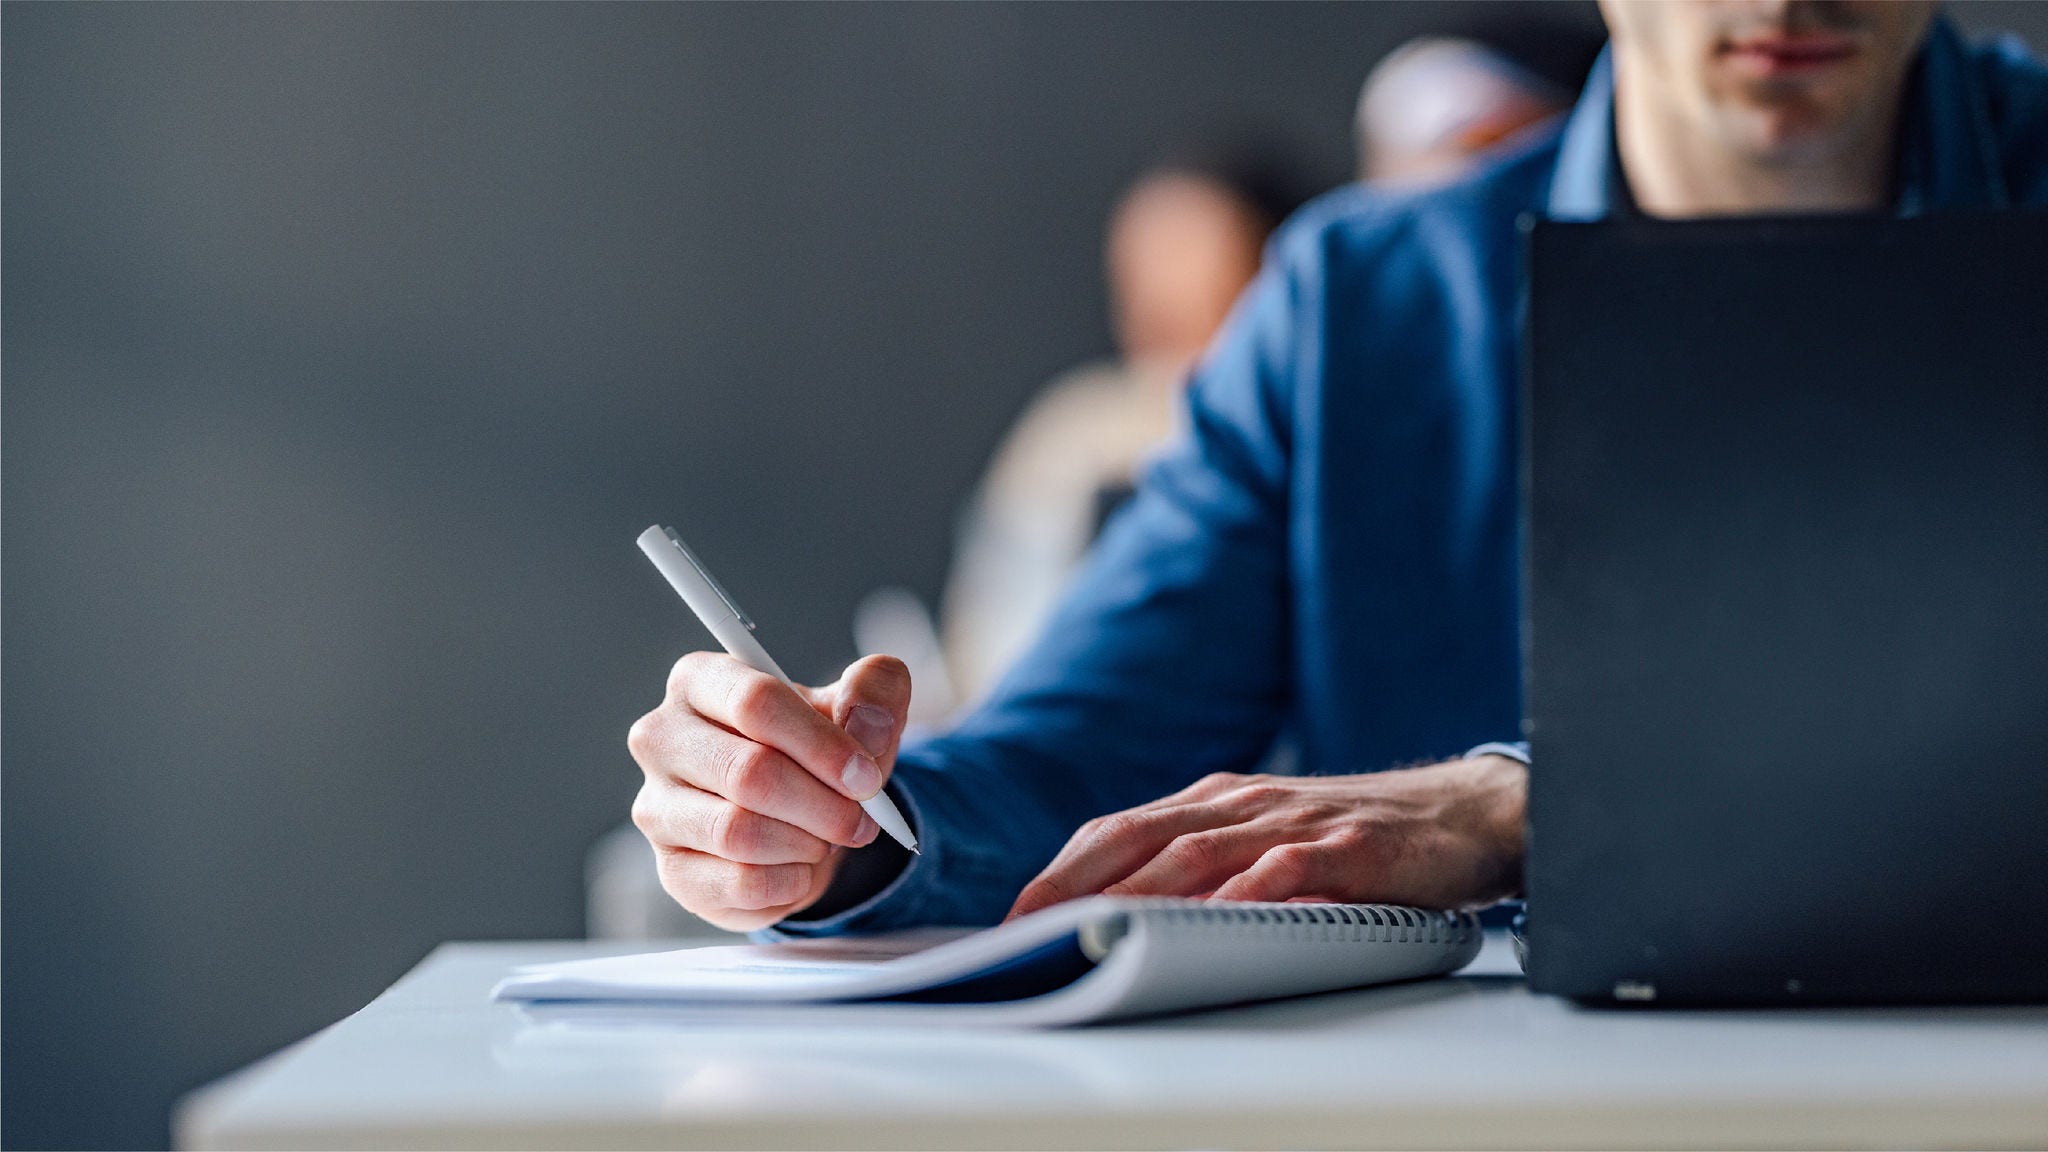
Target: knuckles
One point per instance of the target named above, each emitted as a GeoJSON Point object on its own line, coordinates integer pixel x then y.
{"type": "Point", "coordinates": [735, 833]}
{"type": "Point", "coordinates": [739, 835]}
{"type": "Point", "coordinates": [758, 886]}
{"type": "Point", "coordinates": [712, 888]}
{"type": "Point", "coordinates": [751, 703]}
{"type": "Point", "coordinates": [1112, 828]}
{"type": "Point", "coordinates": [1119, 827]}
{"type": "Point", "coordinates": [645, 817]}
{"type": "Point", "coordinates": [644, 738]}
{"type": "Point", "coordinates": [1288, 867]}
{"type": "Point", "coordinates": [1361, 851]}
{"type": "Point", "coordinates": [753, 776]}
{"type": "Point", "coordinates": [1259, 793]}
{"type": "Point", "coordinates": [692, 667]}
{"type": "Point", "coordinates": [1194, 854]}
{"type": "Point", "coordinates": [735, 897]}
{"type": "Point", "coordinates": [758, 779]}
{"type": "Point", "coordinates": [675, 869]}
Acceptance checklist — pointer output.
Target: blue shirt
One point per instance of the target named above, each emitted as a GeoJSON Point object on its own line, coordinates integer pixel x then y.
{"type": "Point", "coordinates": [1329, 552]}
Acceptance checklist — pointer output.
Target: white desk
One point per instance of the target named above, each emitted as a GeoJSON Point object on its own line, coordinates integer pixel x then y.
{"type": "Point", "coordinates": [1474, 1060]}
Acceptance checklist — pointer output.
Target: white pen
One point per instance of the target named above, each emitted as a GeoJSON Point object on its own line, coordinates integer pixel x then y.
{"type": "Point", "coordinates": [731, 628]}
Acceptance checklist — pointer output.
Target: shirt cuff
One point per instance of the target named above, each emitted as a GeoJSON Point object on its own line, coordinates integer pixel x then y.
{"type": "Point", "coordinates": [1517, 751]}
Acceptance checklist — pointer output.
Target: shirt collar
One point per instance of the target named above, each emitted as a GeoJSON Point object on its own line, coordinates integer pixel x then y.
{"type": "Point", "coordinates": [1585, 154]}
{"type": "Point", "coordinates": [1948, 153]}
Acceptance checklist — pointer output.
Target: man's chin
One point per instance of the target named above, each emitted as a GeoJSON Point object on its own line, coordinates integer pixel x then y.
{"type": "Point", "coordinates": [1791, 132]}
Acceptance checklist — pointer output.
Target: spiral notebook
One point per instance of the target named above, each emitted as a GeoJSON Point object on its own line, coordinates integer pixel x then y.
{"type": "Point", "coordinates": [1102, 958]}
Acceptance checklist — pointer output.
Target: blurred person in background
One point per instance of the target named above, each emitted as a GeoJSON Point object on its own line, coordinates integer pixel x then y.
{"type": "Point", "coordinates": [1435, 106]}
{"type": "Point", "coordinates": [1182, 243]}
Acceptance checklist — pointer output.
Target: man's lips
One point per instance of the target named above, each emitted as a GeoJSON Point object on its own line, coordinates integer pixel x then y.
{"type": "Point", "coordinates": [1790, 54]}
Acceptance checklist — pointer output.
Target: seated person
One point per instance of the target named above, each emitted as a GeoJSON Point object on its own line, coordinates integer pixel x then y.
{"type": "Point", "coordinates": [1183, 243]}
{"type": "Point", "coordinates": [1437, 105]}
{"type": "Point", "coordinates": [1330, 546]}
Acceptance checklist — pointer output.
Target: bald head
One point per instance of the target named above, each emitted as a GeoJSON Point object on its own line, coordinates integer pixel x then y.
{"type": "Point", "coordinates": [1435, 104]}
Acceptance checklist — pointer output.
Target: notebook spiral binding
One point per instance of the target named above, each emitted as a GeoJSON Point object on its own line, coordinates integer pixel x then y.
{"type": "Point", "coordinates": [1326, 922]}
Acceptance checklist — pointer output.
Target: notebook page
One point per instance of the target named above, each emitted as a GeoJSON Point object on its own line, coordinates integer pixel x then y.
{"type": "Point", "coordinates": [1155, 955]}
{"type": "Point", "coordinates": [802, 971]}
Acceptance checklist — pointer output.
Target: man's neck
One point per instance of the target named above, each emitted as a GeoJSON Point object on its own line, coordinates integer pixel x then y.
{"type": "Point", "coordinates": [1675, 169]}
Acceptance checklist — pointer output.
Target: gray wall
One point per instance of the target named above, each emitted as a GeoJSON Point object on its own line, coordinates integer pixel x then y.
{"type": "Point", "coordinates": [347, 348]}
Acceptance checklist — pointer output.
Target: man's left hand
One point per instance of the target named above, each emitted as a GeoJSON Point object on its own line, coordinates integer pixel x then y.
{"type": "Point", "coordinates": [1447, 835]}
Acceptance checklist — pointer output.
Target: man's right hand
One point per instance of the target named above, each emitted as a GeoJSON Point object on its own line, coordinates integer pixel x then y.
{"type": "Point", "coordinates": [752, 787]}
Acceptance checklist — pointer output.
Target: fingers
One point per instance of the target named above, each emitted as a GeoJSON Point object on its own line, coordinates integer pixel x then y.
{"type": "Point", "coordinates": [683, 749]}
{"type": "Point", "coordinates": [872, 703]}
{"type": "Point", "coordinates": [1283, 872]}
{"type": "Point", "coordinates": [1107, 849]}
{"type": "Point", "coordinates": [673, 815]}
{"type": "Point", "coordinates": [696, 878]}
{"type": "Point", "coordinates": [1196, 863]}
{"type": "Point", "coordinates": [738, 897]}
{"type": "Point", "coordinates": [767, 711]}
{"type": "Point", "coordinates": [749, 786]}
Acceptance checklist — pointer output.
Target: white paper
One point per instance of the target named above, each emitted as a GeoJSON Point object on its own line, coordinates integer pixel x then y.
{"type": "Point", "coordinates": [1171, 955]}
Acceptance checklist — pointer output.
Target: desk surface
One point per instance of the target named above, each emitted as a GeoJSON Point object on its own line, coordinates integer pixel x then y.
{"type": "Point", "coordinates": [1473, 1060]}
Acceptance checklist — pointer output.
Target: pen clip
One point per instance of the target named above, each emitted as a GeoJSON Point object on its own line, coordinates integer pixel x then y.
{"type": "Point", "coordinates": [690, 556]}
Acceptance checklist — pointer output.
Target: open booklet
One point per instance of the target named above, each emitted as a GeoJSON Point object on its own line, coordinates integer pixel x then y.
{"type": "Point", "coordinates": [1102, 958]}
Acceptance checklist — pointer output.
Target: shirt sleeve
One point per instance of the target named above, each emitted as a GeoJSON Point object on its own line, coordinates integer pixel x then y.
{"type": "Point", "coordinates": [1517, 750]}
{"type": "Point", "coordinates": [1168, 658]}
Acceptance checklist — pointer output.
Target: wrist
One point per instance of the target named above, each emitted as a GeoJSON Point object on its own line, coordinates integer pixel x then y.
{"type": "Point", "coordinates": [1499, 794]}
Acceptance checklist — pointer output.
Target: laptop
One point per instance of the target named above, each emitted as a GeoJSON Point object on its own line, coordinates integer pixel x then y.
{"type": "Point", "coordinates": [1787, 609]}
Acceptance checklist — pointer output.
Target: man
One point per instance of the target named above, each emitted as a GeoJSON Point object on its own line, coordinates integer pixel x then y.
{"type": "Point", "coordinates": [1331, 548]}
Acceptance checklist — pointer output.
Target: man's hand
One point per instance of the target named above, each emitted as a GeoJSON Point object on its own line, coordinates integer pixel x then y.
{"type": "Point", "coordinates": [752, 788]}
{"type": "Point", "coordinates": [1445, 836]}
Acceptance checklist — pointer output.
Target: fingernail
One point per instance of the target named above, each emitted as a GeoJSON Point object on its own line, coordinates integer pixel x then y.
{"type": "Point", "coordinates": [870, 727]}
{"type": "Point", "coordinates": [861, 777]}
{"type": "Point", "coordinates": [866, 833]}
